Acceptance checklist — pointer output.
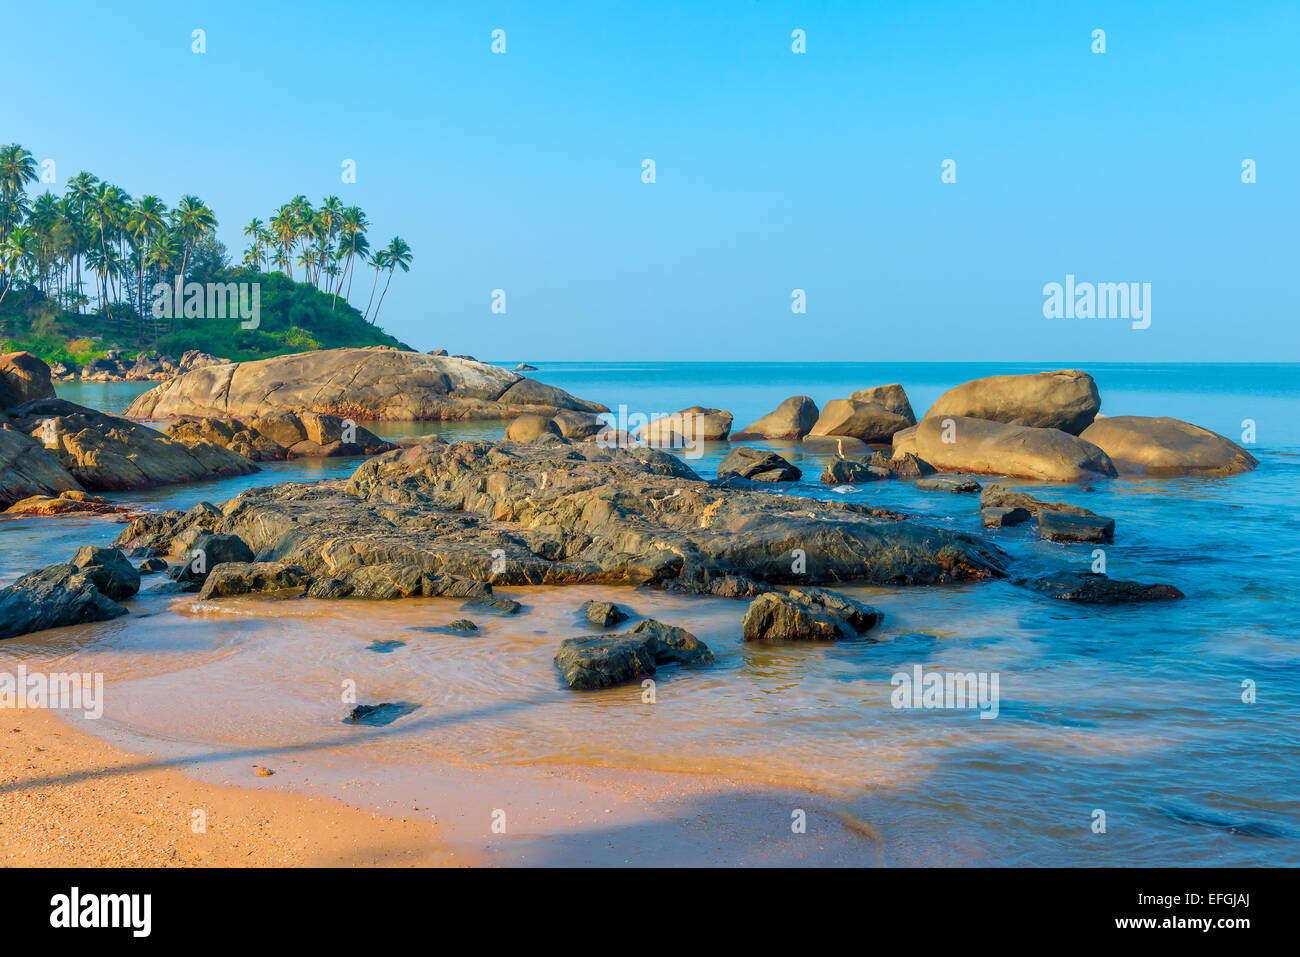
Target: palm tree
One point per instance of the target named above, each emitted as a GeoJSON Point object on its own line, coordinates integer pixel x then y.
{"type": "Point", "coordinates": [379, 260]}
{"type": "Point", "coordinates": [254, 231]}
{"type": "Point", "coordinates": [397, 254]}
{"type": "Point", "coordinates": [17, 169]}
{"type": "Point", "coordinates": [192, 220]}
{"type": "Point", "coordinates": [352, 237]}
{"type": "Point", "coordinates": [17, 254]}
{"type": "Point", "coordinates": [329, 216]}
{"type": "Point", "coordinates": [147, 221]}
{"type": "Point", "coordinates": [284, 226]}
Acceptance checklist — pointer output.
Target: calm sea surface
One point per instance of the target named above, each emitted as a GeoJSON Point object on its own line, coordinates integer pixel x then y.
{"type": "Point", "coordinates": [1137, 712]}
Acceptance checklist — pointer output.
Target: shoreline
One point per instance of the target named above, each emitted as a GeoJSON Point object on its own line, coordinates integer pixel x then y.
{"type": "Point", "coordinates": [70, 799]}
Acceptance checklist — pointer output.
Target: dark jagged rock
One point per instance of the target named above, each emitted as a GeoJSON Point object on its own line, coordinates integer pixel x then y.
{"type": "Point", "coordinates": [807, 614]}
{"type": "Point", "coordinates": [151, 566]}
{"type": "Point", "coordinates": [1004, 517]}
{"type": "Point", "coordinates": [1095, 589]}
{"type": "Point", "coordinates": [599, 661]}
{"type": "Point", "coordinates": [757, 465]}
{"type": "Point", "coordinates": [496, 606]}
{"type": "Point", "coordinates": [206, 552]}
{"type": "Point", "coordinates": [109, 570]}
{"type": "Point", "coordinates": [999, 496]}
{"type": "Point", "coordinates": [909, 465]}
{"type": "Point", "coordinates": [848, 472]}
{"type": "Point", "coordinates": [567, 513]}
{"type": "Point", "coordinates": [243, 578]}
{"type": "Point", "coordinates": [1064, 527]}
{"type": "Point", "coordinates": [602, 614]}
{"type": "Point", "coordinates": [53, 597]}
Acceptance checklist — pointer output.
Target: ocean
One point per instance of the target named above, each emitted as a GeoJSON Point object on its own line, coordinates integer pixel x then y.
{"type": "Point", "coordinates": [1159, 734]}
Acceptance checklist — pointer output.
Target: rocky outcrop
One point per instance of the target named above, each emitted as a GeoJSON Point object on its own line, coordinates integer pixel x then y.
{"type": "Point", "coordinates": [866, 421]}
{"type": "Point", "coordinates": [599, 661]}
{"type": "Point", "coordinates": [999, 496]}
{"type": "Point", "coordinates": [807, 614]}
{"type": "Point", "coordinates": [358, 384]}
{"type": "Point", "coordinates": [53, 597]}
{"type": "Point", "coordinates": [560, 512]}
{"type": "Point", "coordinates": [947, 483]}
{"type": "Point", "coordinates": [104, 452]}
{"type": "Point", "coordinates": [28, 469]}
{"type": "Point", "coordinates": [208, 551]}
{"type": "Point", "coordinates": [66, 503]}
{"type": "Point", "coordinates": [1141, 445]}
{"type": "Point", "coordinates": [890, 397]}
{"type": "Point", "coordinates": [792, 419]}
{"type": "Point", "coordinates": [286, 435]}
{"type": "Point", "coordinates": [243, 578]}
{"type": "Point", "coordinates": [696, 424]}
{"type": "Point", "coordinates": [980, 446]}
{"type": "Point", "coordinates": [757, 466]}
{"type": "Point", "coordinates": [1066, 400]}
{"type": "Point", "coordinates": [23, 377]}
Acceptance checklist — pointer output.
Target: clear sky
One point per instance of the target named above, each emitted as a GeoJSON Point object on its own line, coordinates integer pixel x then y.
{"type": "Point", "coordinates": [775, 170]}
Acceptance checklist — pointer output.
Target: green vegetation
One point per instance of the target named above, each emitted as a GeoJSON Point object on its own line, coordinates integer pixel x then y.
{"type": "Point", "coordinates": [96, 235]}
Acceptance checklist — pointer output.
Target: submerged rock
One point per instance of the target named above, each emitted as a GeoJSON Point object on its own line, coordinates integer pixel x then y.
{"type": "Point", "coordinates": [599, 661]}
{"type": "Point", "coordinates": [757, 466]}
{"type": "Point", "coordinates": [1066, 399]}
{"type": "Point", "coordinates": [378, 715]}
{"type": "Point", "coordinates": [496, 606]}
{"type": "Point", "coordinates": [1139, 445]}
{"type": "Point", "coordinates": [792, 419]}
{"type": "Point", "coordinates": [999, 496]}
{"type": "Point", "coordinates": [997, 517]}
{"type": "Point", "coordinates": [807, 614]}
{"type": "Point", "coordinates": [603, 614]}
{"type": "Point", "coordinates": [1095, 589]}
{"type": "Point", "coordinates": [1064, 527]}
{"type": "Point", "coordinates": [981, 446]}
{"type": "Point", "coordinates": [948, 483]}
{"type": "Point", "coordinates": [53, 597]}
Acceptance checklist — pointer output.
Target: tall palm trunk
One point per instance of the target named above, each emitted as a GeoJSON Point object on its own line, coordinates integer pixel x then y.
{"type": "Point", "coordinates": [384, 293]}
{"type": "Point", "coordinates": [372, 293]}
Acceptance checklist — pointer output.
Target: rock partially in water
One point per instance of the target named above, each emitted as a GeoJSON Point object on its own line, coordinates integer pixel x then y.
{"type": "Point", "coordinates": [999, 496]}
{"type": "Point", "coordinates": [792, 419]}
{"type": "Point", "coordinates": [496, 606]}
{"type": "Point", "coordinates": [110, 571]}
{"type": "Point", "coordinates": [848, 472]}
{"type": "Point", "coordinates": [1094, 589]}
{"type": "Point", "coordinates": [67, 503]}
{"type": "Point", "coordinates": [53, 597]}
{"type": "Point", "coordinates": [1004, 517]}
{"type": "Point", "coordinates": [206, 552]}
{"type": "Point", "coordinates": [957, 485]}
{"type": "Point", "coordinates": [1142, 445]}
{"type": "Point", "coordinates": [892, 398]}
{"type": "Point", "coordinates": [980, 446]}
{"type": "Point", "coordinates": [152, 566]}
{"type": "Point", "coordinates": [530, 428]}
{"type": "Point", "coordinates": [599, 661]}
{"type": "Point", "coordinates": [284, 435]}
{"type": "Point", "coordinates": [565, 513]}
{"type": "Point", "coordinates": [360, 384]}
{"type": "Point", "coordinates": [807, 614]}
{"type": "Point", "coordinates": [866, 421]}
{"type": "Point", "coordinates": [243, 578]}
{"type": "Point", "coordinates": [696, 424]}
{"type": "Point", "coordinates": [603, 614]}
{"type": "Point", "coordinates": [757, 465]}
{"type": "Point", "coordinates": [1064, 527]}
{"type": "Point", "coordinates": [378, 715]}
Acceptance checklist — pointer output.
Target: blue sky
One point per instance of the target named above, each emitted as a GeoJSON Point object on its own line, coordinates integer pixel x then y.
{"type": "Point", "coordinates": [775, 171]}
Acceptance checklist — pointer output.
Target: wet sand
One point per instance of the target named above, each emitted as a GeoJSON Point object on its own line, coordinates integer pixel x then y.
{"type": "Point", "coordinates": [68, 799]}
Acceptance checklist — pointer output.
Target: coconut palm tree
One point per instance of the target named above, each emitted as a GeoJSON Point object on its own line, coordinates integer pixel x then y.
{"type": "Point", "coordinates": [380, 261]}
{"type": "Point", "coordinates": [352, 239]}
{"type": "Point", "coordinates": [191, 220]}
{"type": "Point", "coordinates": [397, 254]}
{"type": "Point", "coordinates": [147, 221]}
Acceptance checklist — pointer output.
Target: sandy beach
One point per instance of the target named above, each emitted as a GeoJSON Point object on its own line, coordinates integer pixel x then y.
{"type": "Point", "coordinates": [68, 799]}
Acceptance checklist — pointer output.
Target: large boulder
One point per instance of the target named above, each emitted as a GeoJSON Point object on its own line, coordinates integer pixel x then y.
{"type": "Point", "coordinates": [28, 469]}
{"type": "Point", "coordinates": [891, 397]}
{"type": "Point", "coordinates": [243, 578]}
{"type": "Point", "coordinates": [599, 661]}
{"type": "Point", "coordinates": [23, 377]}
{"type": "Point", "coordinates": [1066, 399]}
{"type": "Point", "coordinates": [530, 428]}
{"type": "Point", "coordinates": [696, 424]}
{"type": "Point", "coordinates": [866, 421]}
{"type": "Point", "coordinates": [1139, 444]}
{"type": "Point", "coordinates": [806, 614]}
{"type": "Point", "coordinates": [208, 551]}
{"type": "Point", "coordinates": [359, 384]}
{"type": "Point", "coordinates": [53, 597]}
{"type": "Point", "coordinates": [792, 419]}
{"type": "Point", "coordinates": [995, 448]}
{"type": "Point", "coordinates": [578, 425]}
{"type": "Point", "coordinates": [757, 466]}
{"type": "Point", "coordinates": [109, 570]}
{"type": "Point", "coordinates": [108, 453]}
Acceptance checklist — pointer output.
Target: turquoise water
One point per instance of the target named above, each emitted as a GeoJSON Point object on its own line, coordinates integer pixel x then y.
{"type": "Point", "coordinates": [1136, 711]}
